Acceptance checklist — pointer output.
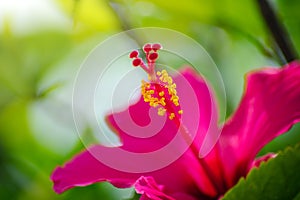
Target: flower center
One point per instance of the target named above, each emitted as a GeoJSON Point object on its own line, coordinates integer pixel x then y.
{"type": "Point", "coordinates": [160, 90]}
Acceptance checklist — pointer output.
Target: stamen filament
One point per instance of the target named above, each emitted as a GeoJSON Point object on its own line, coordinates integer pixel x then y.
{"type": "Point", "coordinates": [210, 175]}
{"type": "Point", "coordinates": [144, 67]}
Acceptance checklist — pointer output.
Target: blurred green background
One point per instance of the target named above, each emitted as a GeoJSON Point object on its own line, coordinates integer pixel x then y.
{"type": "Point", "coordinates": [43, 43]}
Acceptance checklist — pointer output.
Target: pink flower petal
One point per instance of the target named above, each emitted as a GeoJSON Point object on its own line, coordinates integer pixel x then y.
{"type": "Point", "coordinates": [182, 176]}
{"type": "Point", "coordinates": [184, 196]}
{"type": "Point", "coordinates": [265, 158]}
{"type": "Point", "coordinates": [85, 169]}
{"type": "Point", "coordinates": [195, 95]}
{"type": "Point", "coordinates": [269, 107]}
{"type": "Point", "coordinates": [151, 191]}
{"type": "Point", "coordinates": [142, 130]}
{"type": "Point", "coordinates": [148, 188]}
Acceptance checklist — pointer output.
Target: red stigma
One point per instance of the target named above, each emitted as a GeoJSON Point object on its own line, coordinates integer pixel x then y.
{"type": "Point", "coordinates": [133, 54]}
{"type": "Point", "coordinates": [147, 48]}
{"type": "Point", "coordinates": [136, 62]}
{"type": "Point", "coordinates": [156, 47]}
{"type": "Point", "coordinates": [153, 56]}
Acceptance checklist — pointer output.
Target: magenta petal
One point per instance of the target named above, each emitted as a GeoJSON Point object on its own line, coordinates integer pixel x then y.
{"type": "Point", "coordinates": [139, 135]}
{"type": "Point", "coordinates": [269, 107]}
{"type": "Point", "coordinates": [85, 169]}
{"type": "Point", "coordinates": [142, 130]}
{"type": "Point", "coordinates": [184, 196]}
{"type": "Point", "coordinates": [265, 158]}
{"type": "Point", "coordinates": [151, 191]}
{"type": "Point", "coordinates": [148, 188]}
{"type": "Point", "coordinates": [184, 175]}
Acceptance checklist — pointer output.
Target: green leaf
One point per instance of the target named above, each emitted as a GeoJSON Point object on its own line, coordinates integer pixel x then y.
{"type": "Point", "coordinates": [278, 178]}
{"type": "Point", "coordinates": [135, 196]}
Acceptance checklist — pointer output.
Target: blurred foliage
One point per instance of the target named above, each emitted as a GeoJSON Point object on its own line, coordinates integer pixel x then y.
{"type": "Point", "coordinates": [89, 17]}
{"type": "Point", "coordinates": [25, 60]}
{"type": "Point", "coordinates": [231, 31]}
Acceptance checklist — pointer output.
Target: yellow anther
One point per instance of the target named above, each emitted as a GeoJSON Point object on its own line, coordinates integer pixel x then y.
{"type": "Point", "coordinates": [171, 116]}
{"type": "Point", "coordinates": [173, 93]}
{"type": "Point", "coordinates": [174, 97]}
{"type": "Point", "coordinates": [158, 98]}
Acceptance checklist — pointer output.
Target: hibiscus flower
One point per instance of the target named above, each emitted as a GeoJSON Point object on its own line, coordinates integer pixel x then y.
{"type": "Point", "coordinates": [269, 107]}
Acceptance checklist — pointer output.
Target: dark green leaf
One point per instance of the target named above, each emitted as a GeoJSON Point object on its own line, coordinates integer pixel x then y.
{"type": "Point", "coordinates": [275, 179]}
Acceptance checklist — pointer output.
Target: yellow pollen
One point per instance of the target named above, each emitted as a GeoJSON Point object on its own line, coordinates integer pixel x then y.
{"type": "Point", "coordinates": [162, 101]}
{"type": "Point", "coordinates": [172, 115]}
{"type": "Point", "coordinates": [158, 98]}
